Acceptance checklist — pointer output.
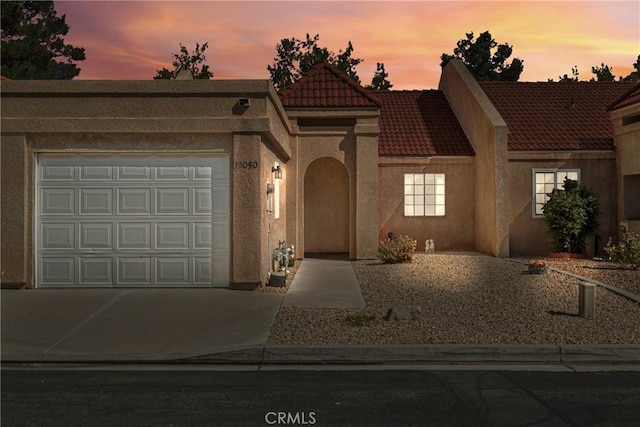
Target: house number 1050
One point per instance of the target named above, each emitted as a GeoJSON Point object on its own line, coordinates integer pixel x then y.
{"type": "Point", "coordinates": [246, 165]}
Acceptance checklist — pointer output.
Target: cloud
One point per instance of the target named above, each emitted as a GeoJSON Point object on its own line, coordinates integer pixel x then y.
{"type": "Point", "coordinates": [130, 40]}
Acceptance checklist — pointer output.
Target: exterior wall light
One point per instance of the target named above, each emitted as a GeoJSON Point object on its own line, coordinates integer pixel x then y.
{"type": "Point", "coordinates": [277, 172]}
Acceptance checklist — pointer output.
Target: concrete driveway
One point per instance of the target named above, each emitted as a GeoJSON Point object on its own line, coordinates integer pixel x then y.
{"type": "Point", "coordinates": [133, 324]}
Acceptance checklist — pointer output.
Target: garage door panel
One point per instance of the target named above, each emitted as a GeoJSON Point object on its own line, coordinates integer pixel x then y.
{"type": "Point", "coordinates": [202, 201]}
{"type": "Point", "coordinates": [134, 201]}
{"type": "Point", "coordinates": [172, 270]}
{"type": "Point", "coordinates": [172, 235]}
{"type": "Point", "coordinates": [96, 173]}
{"type": "Point", "coordinates": [96, 271]}
{"type": "Point", "coordinates": [201, 173]}
{"type": "Point", "coordinates": [96, 201]}
{"type": "Point", "coordinates": [132, 220]}
{"type": "Point", "coordinates": [172, 173]}
{"type": "Point", "coordinates": [134, 271]}
{"type": "Point", "coordinates": [96, 236]}
{"type": "Point", "coordinates": [57, 201]}
{"type": "Point", "coordinates": [57, 236]}
{"type": "Point", "coordinates": [172, 201]}
{"type": "Point", "coordinates": [57, 173]}
{"type": "Point", "coordinates": [58, 271]}
{"type": "Point", "coordinates": [134, 173]}
{"type": "Point", "coordinates": [202, 270]}
{"type": "Point", "coordinates": [202, 235]}
{"type": "Point", "coordinates": [134, 235]}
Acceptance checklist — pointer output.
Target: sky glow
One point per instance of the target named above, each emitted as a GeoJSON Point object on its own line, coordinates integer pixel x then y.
{"type": "Point", "coordinates": [130, 40]}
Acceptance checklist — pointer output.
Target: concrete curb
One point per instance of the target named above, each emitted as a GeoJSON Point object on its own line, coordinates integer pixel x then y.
{"type": "Point", "coordinates": [240, 355]}
{"type": "Point", "coordinates": [412, 354]}
{"type": "Point", "coordinates": [600, 354]}
{"type": "Point", "coordinates": [372, 354]}
{"type": "Point", "coordinates": [499, 353]}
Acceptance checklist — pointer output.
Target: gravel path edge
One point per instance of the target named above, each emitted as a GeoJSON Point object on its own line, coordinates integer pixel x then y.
{"type": "Point", "coordinates": [629, 295]}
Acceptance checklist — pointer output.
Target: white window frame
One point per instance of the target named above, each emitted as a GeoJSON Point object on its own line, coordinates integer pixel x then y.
{"type": "Point", "coordinates": [424, 194]}
{"type": "Point", "coordinates": [558, 180]}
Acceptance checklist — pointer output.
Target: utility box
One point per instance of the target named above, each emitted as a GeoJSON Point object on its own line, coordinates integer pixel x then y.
{"type": "Point", "coordinates": [587, 300]}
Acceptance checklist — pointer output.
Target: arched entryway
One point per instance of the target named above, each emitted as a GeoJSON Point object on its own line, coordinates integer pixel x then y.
{"type": "Point", "coordinates": [326, 207]}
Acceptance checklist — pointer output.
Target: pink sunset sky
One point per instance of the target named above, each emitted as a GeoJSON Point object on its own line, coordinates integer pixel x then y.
{"type": "Point", "coordinates": [133, 39]}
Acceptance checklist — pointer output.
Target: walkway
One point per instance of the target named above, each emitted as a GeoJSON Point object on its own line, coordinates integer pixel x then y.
{"type": "Point", "coordinates": [324, 283]}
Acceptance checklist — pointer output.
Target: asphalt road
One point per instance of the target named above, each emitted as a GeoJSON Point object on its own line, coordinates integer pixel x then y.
{"type": "Point", "coordinates": [39, 397]}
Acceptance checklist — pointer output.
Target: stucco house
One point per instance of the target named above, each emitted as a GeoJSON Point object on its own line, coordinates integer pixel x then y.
{"type": "Point", "coordinates": [625, 114]}
{"type": "Point", "coordinates": [528, 137]}
{"type": "Point", "coordinates": [195, 183]}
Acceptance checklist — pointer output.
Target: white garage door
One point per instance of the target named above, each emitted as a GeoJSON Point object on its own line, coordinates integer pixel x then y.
{"type": "Point", "coordinates": [132, 221]}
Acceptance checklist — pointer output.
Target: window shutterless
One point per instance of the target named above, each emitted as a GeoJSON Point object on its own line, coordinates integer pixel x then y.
{"type": "Point", "coordinates": [424, 194]}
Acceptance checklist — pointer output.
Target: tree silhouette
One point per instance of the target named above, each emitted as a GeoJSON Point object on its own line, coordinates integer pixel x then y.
{"type": "Point", "coordinates": [194, 62]}
{"type": "Point", "coordinates": [485, 58]}
{"type": "Point", "coordinates": [32, 45]}
{"type": "Point", "coordinates": [380, 81]}
{"type": "Point", "coordinates": [295, 57]}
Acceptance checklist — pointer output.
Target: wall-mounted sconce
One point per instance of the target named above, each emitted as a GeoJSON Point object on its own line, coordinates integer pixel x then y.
{"type": "Point", "coordinates": [244, 102]}
{"type": "Point", "coordinates": [277, 172]}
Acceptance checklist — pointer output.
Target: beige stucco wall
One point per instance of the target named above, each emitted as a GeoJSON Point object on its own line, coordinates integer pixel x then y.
{"type": "Point", "coordinates": [145, 117]}
{"type": "Point", "coordinates": [356, 147]}
{"type": "Point", "coordinates": [529, 235]}
{"type": "Point", "coordinates": [13, 206]}
{"type": "Point", "coordinates": [487, 132]}
{"type": "Point", "coordinates": [255, 230]}
{"type": "Point", "coordinates": [366, 192]}
{"type": "Point", "coordinates": [626, 137]}
{"type": "Point", "coordinates": [310, 147]}
{"type": "Point", "coordinates": [455, 230]}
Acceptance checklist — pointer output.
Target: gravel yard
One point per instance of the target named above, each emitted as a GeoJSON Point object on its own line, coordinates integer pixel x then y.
{"type": "Point", "coordinates": [471, 299]}
{"type": "Point", "coordinates": [603, 271]}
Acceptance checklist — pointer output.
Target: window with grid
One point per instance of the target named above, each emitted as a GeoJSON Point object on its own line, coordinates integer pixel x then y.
{"type": "Point", "coordinates": [545, 181]}
{"type": "Point", "coordinates": [424, 194]}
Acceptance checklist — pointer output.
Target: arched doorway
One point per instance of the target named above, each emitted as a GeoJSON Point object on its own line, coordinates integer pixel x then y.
{"type": "Point", "coordinates": [326, 207]}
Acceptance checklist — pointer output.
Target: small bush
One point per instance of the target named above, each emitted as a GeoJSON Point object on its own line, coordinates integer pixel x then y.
{"type": "Point", "coordinates": [399, 249]}
{"type": "Point", "coordinates": [361, 318]}
{"type": "Point", "coordinates": [571, 213]}
{"type": "Point", "coordinates": [627, 251]}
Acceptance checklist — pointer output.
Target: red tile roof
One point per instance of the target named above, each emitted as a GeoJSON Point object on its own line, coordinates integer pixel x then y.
{"type": "Point", "coordinates": [419, 123]}
{"type": "Point", "coordinates": [326, 86]}
{"type": "Point", "coordinates": [630, 97]}
{"type": "Point", "coordinates": [556, 115]}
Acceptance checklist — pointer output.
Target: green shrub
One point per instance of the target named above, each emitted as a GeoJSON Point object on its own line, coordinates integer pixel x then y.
{"type": "Point", "coordinates": [360, 319]}
{"type": "Point", "coordinates": [571, 215]}
{"type": "Point", "coordinates": [399, 249]}
{"type": "Point", "coordinates": [627, 251]}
